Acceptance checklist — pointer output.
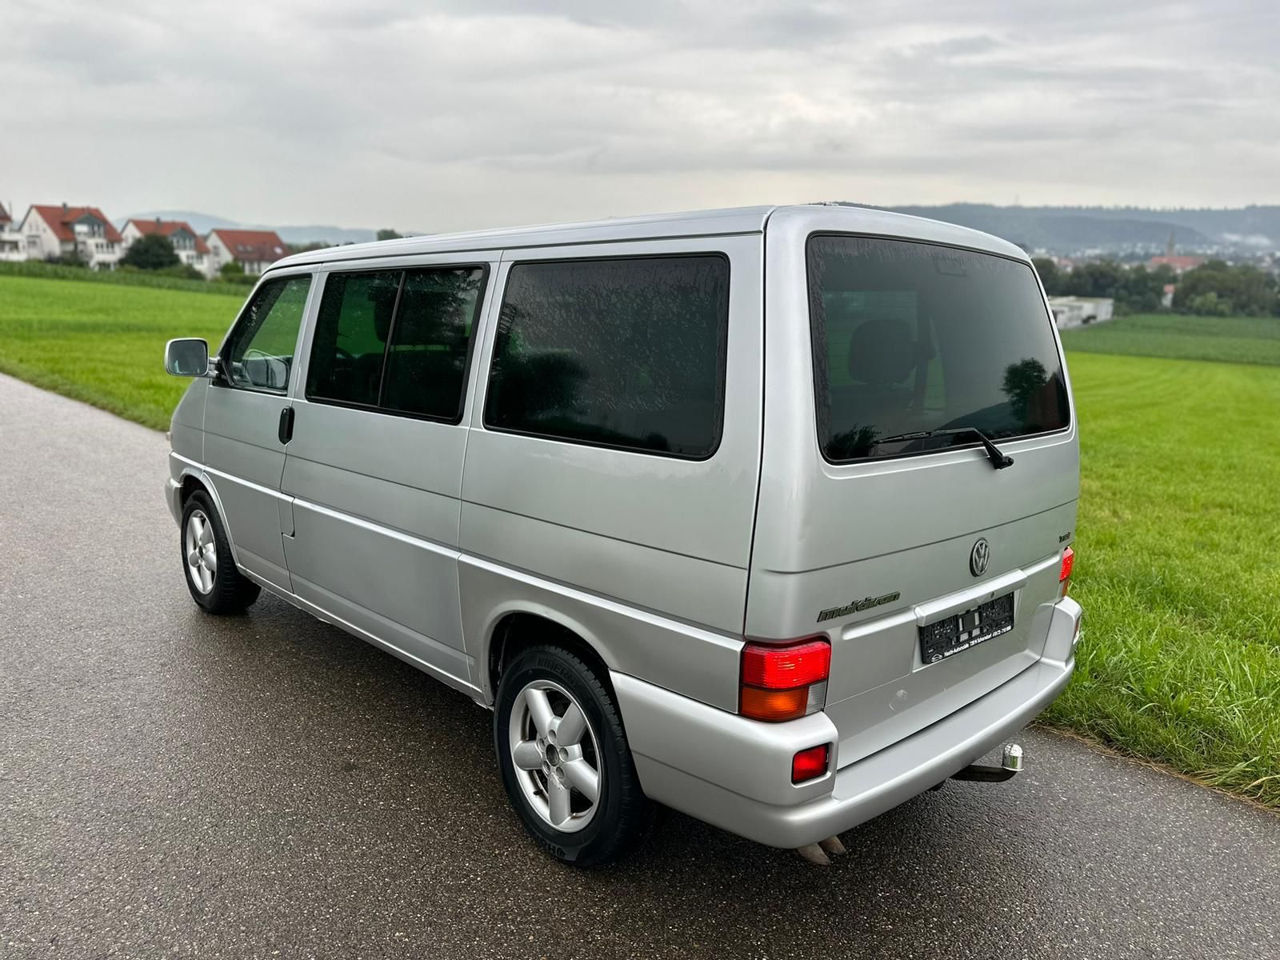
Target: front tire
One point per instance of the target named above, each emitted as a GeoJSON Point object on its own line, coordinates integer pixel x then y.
{"type": "Point", "coordinates": [564, 758]}
{"type": "Point", "coordinates": [215, 583]}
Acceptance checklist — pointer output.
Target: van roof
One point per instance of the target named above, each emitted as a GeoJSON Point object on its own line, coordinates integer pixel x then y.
{"type": "Point", "coordinates": [696, 223]}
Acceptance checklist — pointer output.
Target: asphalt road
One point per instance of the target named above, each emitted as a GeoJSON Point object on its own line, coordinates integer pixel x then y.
{"type": "Point", "coordinates": [177, 785]}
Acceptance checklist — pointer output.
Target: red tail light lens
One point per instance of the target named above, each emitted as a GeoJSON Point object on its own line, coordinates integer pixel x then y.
{"type": "Point", "coordinates": [776, 679]}
{"type": "Point", "coordinates": [809, 764]}
{"type": "Point", "coordinates": [1064, 572]}
{"type": "Point", "coordinates": [781, 668]}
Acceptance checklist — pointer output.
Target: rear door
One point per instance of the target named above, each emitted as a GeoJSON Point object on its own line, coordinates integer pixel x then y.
{"type": "Point", "coordinates": [882, 523]}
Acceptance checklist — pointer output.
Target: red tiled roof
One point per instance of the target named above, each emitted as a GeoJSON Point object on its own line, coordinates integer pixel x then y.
{"type": "Point", "coordinates": [260, 246]}
{"type": "Point", "coordinates": [167, 228]}
{"type": "Point", "coordinates": [1177, 262]}
{"type": "Point", "coordinates": [61, 221]}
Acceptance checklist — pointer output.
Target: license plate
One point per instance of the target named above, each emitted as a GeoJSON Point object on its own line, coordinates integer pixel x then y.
{"type": "Point", "coordinates": [948, 637]}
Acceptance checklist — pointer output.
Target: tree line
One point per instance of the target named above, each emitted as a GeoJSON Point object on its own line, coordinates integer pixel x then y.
{"type": "Point", "coordinates": [1215, 288]}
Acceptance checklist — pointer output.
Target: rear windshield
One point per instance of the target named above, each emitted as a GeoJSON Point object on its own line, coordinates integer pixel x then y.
{"type": "Point", "coordinates": [912, 339]}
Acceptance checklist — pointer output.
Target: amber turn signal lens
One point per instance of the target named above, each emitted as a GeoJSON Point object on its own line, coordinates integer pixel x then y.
{"type": "Point", "coordinates": [774, 705]}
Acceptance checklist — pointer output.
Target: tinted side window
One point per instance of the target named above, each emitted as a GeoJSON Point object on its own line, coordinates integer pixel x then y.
{"type": "Point", "coordinates": [259, 353]}
{"type": "Point", "coordinates": [351, 335]}
{"type": "Point", "coordinates": [625, 353]}
{"type": "Point", "coordinates": [427, 360]}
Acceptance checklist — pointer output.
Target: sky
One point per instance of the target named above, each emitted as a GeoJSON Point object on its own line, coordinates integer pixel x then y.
{"type": "Point", "coordinates": [475, 113]}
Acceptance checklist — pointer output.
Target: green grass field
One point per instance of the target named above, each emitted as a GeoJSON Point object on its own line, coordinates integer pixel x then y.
{"type": "Point", "coordinates": [1227, 339]}
{"type": "Point", "coordinates": [104, 343]}
{"type": "Point", "coordinates": [1178, 539]}
{"type": "Point", "coordinates": [1178, 567]}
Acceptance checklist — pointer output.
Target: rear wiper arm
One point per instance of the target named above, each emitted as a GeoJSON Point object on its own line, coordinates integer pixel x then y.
{"type": "Point", "coordinates": [998, 460]}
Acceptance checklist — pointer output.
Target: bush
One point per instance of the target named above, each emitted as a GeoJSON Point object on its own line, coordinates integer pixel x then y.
{"type": "Point", "coordinates": [124, 277]}
{"type": "Point", "coordinates": [151, 251]}
{"type": "Point", "coordinates": [72, 259]}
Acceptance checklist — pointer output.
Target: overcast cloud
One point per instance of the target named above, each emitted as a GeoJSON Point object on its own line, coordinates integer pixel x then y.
{"type": "Point", "coordinates": [463, 114]}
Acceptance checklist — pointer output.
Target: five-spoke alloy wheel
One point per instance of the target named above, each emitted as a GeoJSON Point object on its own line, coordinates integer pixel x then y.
{"type": "Point", "coordinates": [557, 755]}
{"type": "Point", "coordinates": [201, 551]}
{"type": "Point", "coordinates": [215, 583]}
{"type": "Point", "coordinates": [564, 757]}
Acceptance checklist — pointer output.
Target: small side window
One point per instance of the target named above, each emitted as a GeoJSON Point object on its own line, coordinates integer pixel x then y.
{"type": "Point", "coordinates": [622, 352]}
{"type": "Point", "coordinates": [259, 353]}
{"type": "Point", "coordinates": [427, 359]}
{"type": "Point", "coordinates": [350, 339]}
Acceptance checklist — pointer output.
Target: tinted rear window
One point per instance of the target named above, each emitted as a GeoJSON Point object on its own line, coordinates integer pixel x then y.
{"type": "Point", "coordinates": [626, 353]}
{"type": "Point", "coordinates": [912, 337]}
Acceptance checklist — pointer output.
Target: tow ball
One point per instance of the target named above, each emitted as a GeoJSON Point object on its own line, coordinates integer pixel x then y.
{"type": "Point", "coordinates": [1010, 764]}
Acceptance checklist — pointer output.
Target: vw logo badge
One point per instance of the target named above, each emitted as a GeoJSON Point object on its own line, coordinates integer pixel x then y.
{"type": "Point", "coordinates": [979, 556]}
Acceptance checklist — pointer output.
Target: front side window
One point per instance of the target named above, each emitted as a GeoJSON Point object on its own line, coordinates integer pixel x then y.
{"type": "Point", "coordinates": [626, 353]}
{"type": "Point", "coordinates": [259, 353]}
{"type": "Point", "coordinates": [914, 343]}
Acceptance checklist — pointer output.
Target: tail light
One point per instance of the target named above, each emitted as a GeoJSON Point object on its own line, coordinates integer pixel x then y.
{"type": "Point", "coordinates": [1064, 572]}
{"type": "Point", "coordinates": [783, 682]}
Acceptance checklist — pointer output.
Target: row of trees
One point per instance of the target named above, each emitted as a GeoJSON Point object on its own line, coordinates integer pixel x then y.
{"type": "Point", "coordinates": [1215, 288]}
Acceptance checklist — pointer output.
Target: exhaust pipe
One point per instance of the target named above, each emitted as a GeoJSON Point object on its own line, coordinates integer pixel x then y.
{"type": "Point", "coordinates": [1010, 765]}
{"type": "Point", "coordinates": [821, 852]}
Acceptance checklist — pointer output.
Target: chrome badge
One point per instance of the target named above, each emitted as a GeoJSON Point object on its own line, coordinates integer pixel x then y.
{"type": "Point", "coordinates": [978, 557]}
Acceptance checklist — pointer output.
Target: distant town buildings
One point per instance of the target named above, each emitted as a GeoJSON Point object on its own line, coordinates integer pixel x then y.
{"type": "Point", "coordinates": [1179, 264]}
{"type": "Point", "coordinates": [50, 232]}
{"type": "Point", "coordinates": [255, 250]}
{"type": "Point", "coordinates": [187, 244]}
{"type": "Point", "coordinates": [60, 231]}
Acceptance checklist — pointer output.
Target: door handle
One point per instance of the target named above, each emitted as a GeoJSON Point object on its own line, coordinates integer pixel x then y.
{"type": "Point", "coordinates": [286, 425]}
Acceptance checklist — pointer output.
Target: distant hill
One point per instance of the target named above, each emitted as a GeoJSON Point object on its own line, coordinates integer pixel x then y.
{"type": "Point", "coordinates": [1076, 229]}
{"type": "Point", "coordinates": [203, 222]}
{"type": "Point", "coordinates": [1062, 230]}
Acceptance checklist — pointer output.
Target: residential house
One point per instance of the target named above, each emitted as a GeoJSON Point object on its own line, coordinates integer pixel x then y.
{"type": "Point", "coordinates": [53, 231]}
{"type": "Point", "coordinates": [187, 244]}
{"type": "Point", "coordinates": [255, 250]}
{"type": "Point", "coordinates": [10, 239]}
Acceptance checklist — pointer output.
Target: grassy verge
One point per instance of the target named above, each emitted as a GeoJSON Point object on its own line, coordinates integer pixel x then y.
{"type": "Point", "coordinates": [36, 269]}
{"type": "Point", "coordinates": [1227, 339]}
{"type": "Point", "coordinates": [1178, 568]}
{"type": "Point", "coordinates": [103, 343]}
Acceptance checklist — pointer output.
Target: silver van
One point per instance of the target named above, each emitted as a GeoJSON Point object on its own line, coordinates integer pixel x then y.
{"type": "Point", "coordinates": [761, 514]}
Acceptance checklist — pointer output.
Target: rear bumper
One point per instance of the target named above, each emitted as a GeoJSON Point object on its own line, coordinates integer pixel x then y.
{"type": "Point", "coordinates": [736, 773]}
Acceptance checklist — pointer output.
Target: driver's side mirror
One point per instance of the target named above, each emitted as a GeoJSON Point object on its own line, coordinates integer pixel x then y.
{"type": "Point", "coordinates": [188, 357]}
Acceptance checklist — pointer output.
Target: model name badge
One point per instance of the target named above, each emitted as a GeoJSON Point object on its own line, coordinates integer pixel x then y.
{"type": "Point", "coordinates": [857, 605]}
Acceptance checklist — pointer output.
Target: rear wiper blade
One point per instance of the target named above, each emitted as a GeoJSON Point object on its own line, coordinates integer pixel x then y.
{"type": "Point", "coordinates": [998, 460]}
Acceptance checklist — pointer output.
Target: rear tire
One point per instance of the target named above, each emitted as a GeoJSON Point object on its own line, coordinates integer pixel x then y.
{"type": "Point", "coordinates": [564, 758]}
{"type": "Point", "coordinates": [215, 583]}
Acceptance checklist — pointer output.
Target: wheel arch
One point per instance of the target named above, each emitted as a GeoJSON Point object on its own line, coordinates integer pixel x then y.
{"type": "Point", "coordinates": [518, 626]}
{"type": "Point", "coordinates": [193, 480]}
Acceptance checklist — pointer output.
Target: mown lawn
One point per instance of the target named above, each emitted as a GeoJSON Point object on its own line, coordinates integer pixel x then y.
{"type": "Point", "coordinates": [1178, 567]}
{"type": "Point", "coordinates": [1228, 339]}
{"type": "Point", "coordinates": [1178, 539]}
{"type": "Point", "coordinates": [104, 343]}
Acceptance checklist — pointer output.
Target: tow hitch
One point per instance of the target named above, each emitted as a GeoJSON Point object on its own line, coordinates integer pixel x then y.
{"type": "Point", "coordinates": [1010, 764]}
